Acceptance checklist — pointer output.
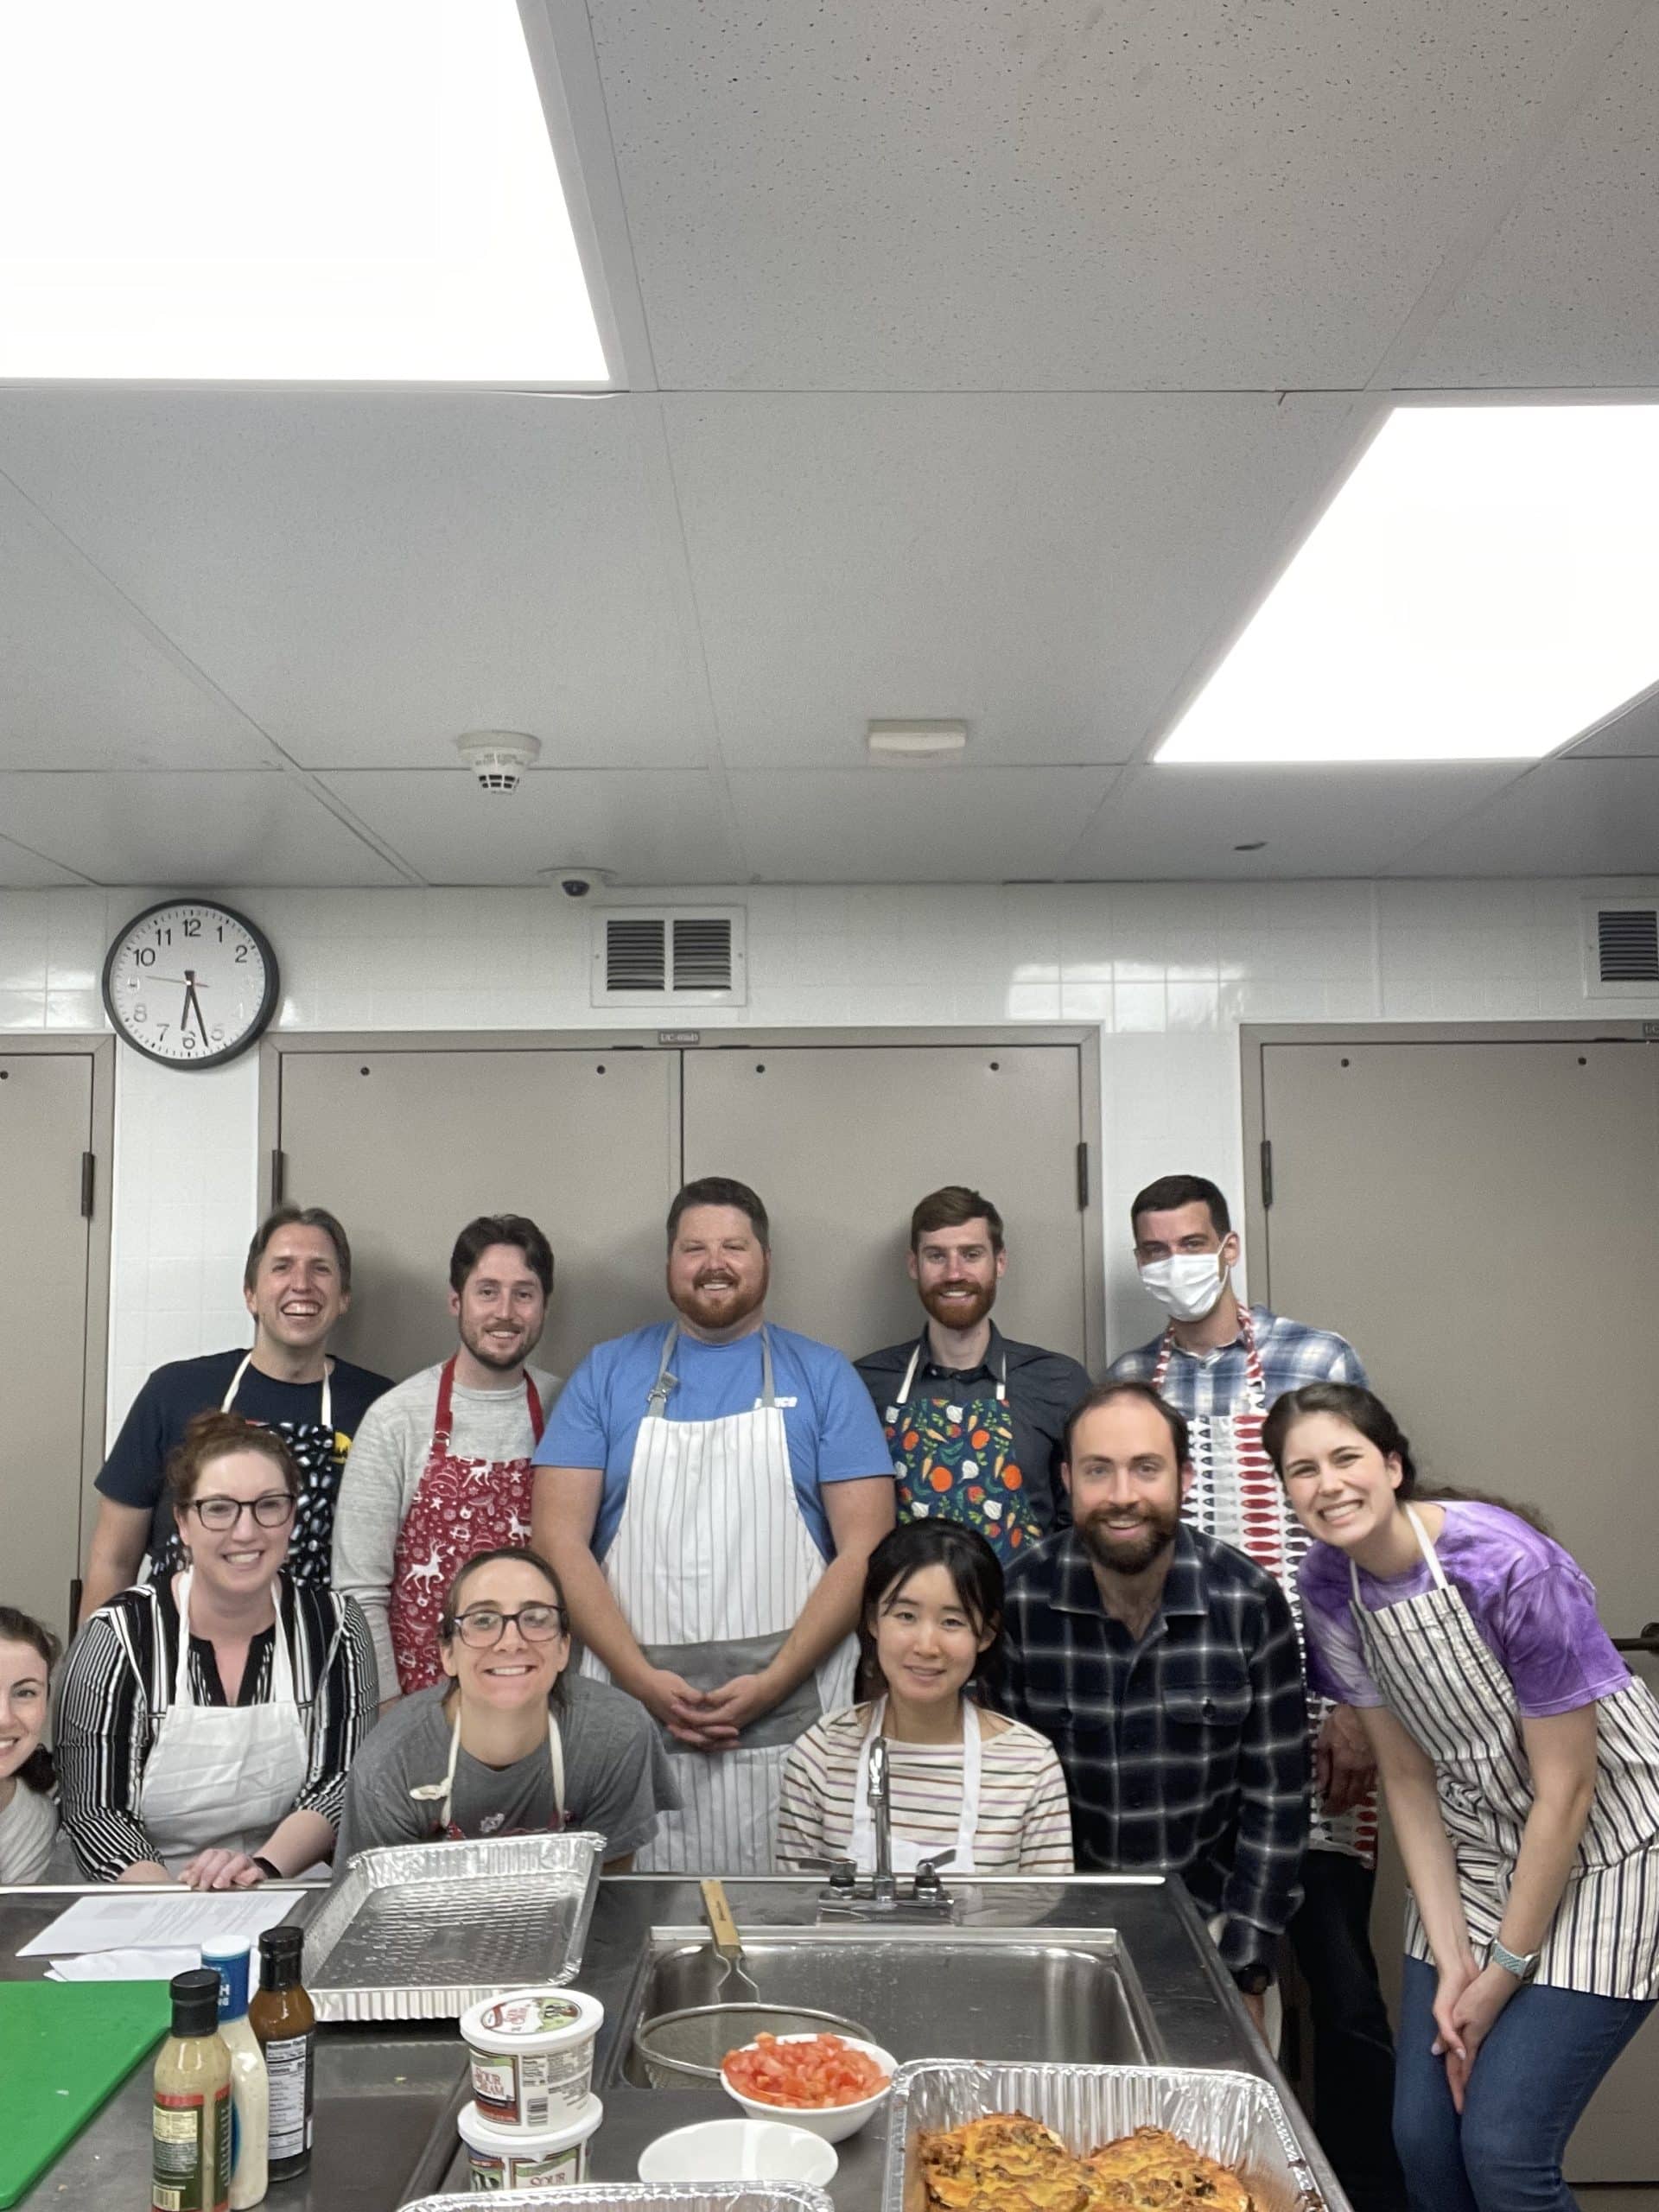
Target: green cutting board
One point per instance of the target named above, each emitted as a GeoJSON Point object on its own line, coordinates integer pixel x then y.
{"type": "Point", "coordinates": [69, 2046]}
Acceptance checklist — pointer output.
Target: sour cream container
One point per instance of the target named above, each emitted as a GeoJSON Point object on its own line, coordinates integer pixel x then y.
{"type": "Point", "coordinates": [527, 2158]}
{"type": "Point", "coordinates": [532, 2054]}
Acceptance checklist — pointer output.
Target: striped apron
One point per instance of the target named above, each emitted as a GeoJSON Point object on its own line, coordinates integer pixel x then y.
{"type": "Point", "coordinates": [1238, 1497]}
{"type": "Point", "coordinates": [1441, 1681]}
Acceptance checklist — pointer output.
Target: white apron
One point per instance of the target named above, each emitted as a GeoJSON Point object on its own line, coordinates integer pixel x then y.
{"type": "Point", "coordinates": [711, 1565]}
{"type": "Point", "coordinates": [1238, 1497]}
{"type": "Point", "coordinates": [443, 1793]}
{"type": "Point", "coordinates": [1444, 1684]}
{"type": "Point", "coordinates": [907, 1857]}
{"type": "Point", "coordinates": [223, 1775]}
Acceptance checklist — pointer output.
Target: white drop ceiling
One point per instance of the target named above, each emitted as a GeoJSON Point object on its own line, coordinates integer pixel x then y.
{"type": "Point", "coordinates": [981, 365]}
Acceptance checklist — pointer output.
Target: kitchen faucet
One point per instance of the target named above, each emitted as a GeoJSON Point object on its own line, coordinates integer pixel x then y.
{"type": "Point", "coordinates": [882, 1888]}
{"type": "Point", "coordinates": [848, 1898]}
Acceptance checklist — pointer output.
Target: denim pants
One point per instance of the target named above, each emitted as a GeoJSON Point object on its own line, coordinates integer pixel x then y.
{"type": "Point", "coordinates": [1353, 2043]}
{"type": "Point", "coordinates": [1532, 2078]}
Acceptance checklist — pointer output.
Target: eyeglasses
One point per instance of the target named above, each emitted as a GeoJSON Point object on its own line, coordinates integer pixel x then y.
{"type": "Point", "coordinates": [487, 1624]}
{"type": "Point", "coordinates": [273, 1510]}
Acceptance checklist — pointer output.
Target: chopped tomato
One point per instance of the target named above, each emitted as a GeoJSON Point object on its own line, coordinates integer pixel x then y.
{"type": "Point", "coordinates": [807, 2074]}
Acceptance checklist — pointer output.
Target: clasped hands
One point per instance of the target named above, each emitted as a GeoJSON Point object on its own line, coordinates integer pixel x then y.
{"type": "Point", "coordinates": [706, 1720]}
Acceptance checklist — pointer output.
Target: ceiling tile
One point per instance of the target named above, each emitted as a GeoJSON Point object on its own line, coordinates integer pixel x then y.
{"type": "Point", "coordinates": [1563, 296]}
{"type": "Point", "coordinates": [201, 827]}
{"type": "Point", "coordinates": [1046, 566]}
{"type": "Point", "coordinates": [370, 574]}
{"type": "Point", "coordinates": [646, 826]}
{"type": "Point", "coordinates": [1186, 821]}
{"type": "Point", "coordinates": [1073, 195]}
{"type": "Point", "coordinates": [21, 870]}
{"type": "Point", "coordinates": [910, 825]}
{"type": "Point", "coordinates": [1564, 817]}
{"type": "Point", "coordinates": [1636, 733]}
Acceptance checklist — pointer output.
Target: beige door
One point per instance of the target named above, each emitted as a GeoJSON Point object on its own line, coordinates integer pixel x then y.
{"type": "Point", "coordinates": [408, 1147]}
{"type": "Point", "coordinates": [840, 1140]}
{"type": "Point", "coordinates": [1481, 1221]}
{"type": "Point", "coordinates": [46, 1126]}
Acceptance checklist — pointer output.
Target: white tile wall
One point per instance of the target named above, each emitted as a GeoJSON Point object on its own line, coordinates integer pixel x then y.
{"type": "Point", "coordinates": [1168, 971]}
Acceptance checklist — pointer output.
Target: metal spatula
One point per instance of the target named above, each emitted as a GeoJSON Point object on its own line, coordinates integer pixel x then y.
{"type": "Point", "coordinates": [722, 1930]}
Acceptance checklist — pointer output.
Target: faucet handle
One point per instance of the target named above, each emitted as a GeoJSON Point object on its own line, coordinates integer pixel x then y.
{"type": "Point", "coordinates": [927, 1882]}
{"type": "Point", "coordinates": [843, 1873]}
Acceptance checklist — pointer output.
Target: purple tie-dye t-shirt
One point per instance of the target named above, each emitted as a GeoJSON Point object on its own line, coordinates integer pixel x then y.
{"type": "Point", "coordinates": [1531, 1601]}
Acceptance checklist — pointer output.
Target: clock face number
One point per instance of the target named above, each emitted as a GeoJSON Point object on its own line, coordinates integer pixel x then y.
{"type": "Point", "coordinates": [189, 983]}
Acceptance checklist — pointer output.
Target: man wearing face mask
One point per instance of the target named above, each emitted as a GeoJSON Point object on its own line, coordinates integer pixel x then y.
{"type": "Point", "coordinates": [1221, 1364]}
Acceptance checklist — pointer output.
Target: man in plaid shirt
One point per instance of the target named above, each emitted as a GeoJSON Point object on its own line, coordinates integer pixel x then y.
{"type": "Point", "coordinates": [1163, 1667]}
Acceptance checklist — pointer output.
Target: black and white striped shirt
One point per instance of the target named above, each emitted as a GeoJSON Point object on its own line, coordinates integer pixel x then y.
{"type": "Point", "coordinates": [118, 1682]}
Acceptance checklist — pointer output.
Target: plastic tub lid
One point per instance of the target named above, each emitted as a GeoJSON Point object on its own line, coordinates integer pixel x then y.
{"type": "Point", "coordinates": [532, 2020]}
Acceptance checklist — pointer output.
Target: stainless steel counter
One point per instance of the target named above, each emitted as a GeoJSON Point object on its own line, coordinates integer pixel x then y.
{"type": "Point", "coordinates": [386, 2099]}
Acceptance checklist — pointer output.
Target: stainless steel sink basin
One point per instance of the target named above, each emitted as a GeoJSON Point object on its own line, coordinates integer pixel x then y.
{"type": "Point", "coordinates": [1064, 1993]}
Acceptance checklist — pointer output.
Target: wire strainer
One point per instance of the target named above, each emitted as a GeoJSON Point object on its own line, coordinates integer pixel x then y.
{"type": "Point", "coordinates": [680, 2049]}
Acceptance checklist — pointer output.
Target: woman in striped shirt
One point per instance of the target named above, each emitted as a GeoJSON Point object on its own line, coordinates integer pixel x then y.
{"type": "Point", "coordinates": [1520, 1764]}
{"type": "Point", "coordinates": [209, 1718]}
{"type": "Point", "coordinates": [985, 1790]}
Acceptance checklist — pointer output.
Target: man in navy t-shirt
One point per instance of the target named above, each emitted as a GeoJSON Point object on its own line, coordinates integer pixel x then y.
{"type": "Point", "coordinates": [298, 1284]}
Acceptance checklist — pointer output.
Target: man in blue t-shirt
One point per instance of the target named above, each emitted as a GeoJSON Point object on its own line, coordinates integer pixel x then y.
{"type": "Point", "coordinates": [709, 1490]}
{"type": "Point", "coordinates": [297, 1284]}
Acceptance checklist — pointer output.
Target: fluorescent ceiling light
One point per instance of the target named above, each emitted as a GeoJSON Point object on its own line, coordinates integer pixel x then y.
{"type": "Point", "coordinates": [1482, 587]}
{"type": "Point", "coordinates": [282, 190]}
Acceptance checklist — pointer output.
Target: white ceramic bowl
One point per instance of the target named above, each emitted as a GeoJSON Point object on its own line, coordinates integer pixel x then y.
{"type": "Point", "coordinates": [738, 2150]}
{"type": "Point", "coordinates": [830, 2123]}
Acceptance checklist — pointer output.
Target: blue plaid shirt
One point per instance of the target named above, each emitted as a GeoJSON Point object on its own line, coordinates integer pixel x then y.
{"type": "Point", "coordinates": [1291, 1353]}
{"type": "Point", "coordinates": [1186, 1752]}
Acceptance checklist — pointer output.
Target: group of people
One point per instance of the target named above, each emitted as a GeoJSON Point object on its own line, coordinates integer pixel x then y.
{"type": "Point", "coordinates": [1179, 1620]}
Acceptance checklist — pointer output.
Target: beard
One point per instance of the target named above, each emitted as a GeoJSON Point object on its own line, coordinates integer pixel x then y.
{"type": "Point", "coordinates": [1126, 1554]}
{"type": "Point", "coordinates": [724, 1307]}
{"type": "Point", "coordinates": [502, 1354]}
{"type": "Point", "coordinates": [959, 1313]}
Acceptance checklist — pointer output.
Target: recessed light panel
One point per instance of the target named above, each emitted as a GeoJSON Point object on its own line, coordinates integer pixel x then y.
{"type": "Point", "coordinates": [1482, 587]}
{"type": "Point", "coordinates": [282, 190]}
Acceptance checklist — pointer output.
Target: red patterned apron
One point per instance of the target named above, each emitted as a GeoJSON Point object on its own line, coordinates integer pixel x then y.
{"type": "Point", "coordinates": [1237, 1496]}
{"type": "Point", "coordinates": [460, 1507]}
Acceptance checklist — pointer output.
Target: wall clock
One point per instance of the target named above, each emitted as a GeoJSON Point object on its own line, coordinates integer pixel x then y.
{"type": "Point", "coordinates": [190, 982]}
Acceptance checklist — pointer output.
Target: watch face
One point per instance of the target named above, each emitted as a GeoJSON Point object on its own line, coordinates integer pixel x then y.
{"type": "Point", "coordinates": [190, 984]}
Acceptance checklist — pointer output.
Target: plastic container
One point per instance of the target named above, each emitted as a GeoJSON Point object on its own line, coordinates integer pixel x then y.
{"type": "Point", "coordinates": [527, 2158]}
{"type": "Point", "coordinates": [532, 2054]}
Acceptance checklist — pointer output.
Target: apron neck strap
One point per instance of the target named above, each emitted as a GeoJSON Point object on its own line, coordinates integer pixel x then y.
{"type": "Point", "coordinates": [1436, 1571]}
{"type": "Point", "coordinates": [666, 1382]}
{"type": "Point", "coordinates": [282, 1662]}
{"type": "Point", "coordinates": [446, 1795]}
{"type": "Point", "coordinates": [325, 1412]}
{"type": "Point", "coordinates": [922, 1348]}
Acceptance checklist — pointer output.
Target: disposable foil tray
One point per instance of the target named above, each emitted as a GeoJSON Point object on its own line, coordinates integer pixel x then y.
{"type": "Point", "coordinates": [643, 2197]}
{"type": "Point", "coordinates": [419, 1931]}
{"type": "Point", "coordinates": [1234, 2117]}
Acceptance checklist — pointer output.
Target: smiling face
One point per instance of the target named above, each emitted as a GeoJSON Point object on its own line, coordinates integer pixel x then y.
{"type": "Point", "coordinates": [296, 1296]}
{"type": "Point", "coordinates": [501, 1307]}
{"type": "Point", "coordinates": [1341, 1488]}
{"type": "Point", "coordinates": [956, 1272]}
{"type": "Point", "coordinates": [23, 1705]}
{"type": "Point", "coordinates": [1125, 1484]}
{"type": "Point", "coordinates": [717, 1267]}
{"type": "Point", "coordinates": [515, 1670]}
{"type": "Point", "coordinates": [927, 1640]}
{"type": "Point", "coordinates": [235, 1557]}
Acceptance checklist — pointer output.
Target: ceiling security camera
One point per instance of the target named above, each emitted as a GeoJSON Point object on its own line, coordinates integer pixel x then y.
{"type": "Point", "coordinates": [577, 882]}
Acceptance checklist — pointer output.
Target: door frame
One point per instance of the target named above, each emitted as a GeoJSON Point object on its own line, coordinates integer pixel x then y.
{"type": "Point", "coordinates": [98, 1047]}
{"type": "Point", "coordinates": [1083, 1036]}
{"type": "Point", "coordinates": [1255, 1037]}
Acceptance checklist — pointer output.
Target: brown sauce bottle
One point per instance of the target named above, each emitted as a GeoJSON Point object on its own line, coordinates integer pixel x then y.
{"type": "Point", "coordinates": [284, 2019]}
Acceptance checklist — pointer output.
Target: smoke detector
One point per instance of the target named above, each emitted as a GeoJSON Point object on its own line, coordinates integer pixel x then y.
{"type": "Point", "coordinates": [498, 758]}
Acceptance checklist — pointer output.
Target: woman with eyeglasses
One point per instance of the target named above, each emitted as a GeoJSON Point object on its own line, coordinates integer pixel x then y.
{"type": "Point", "coordinates": [507, 1743]}
{"type": "Point", "coordinates": [209, 1718]}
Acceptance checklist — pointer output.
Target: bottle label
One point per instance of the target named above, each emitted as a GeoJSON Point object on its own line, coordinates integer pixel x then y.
{"type": "Point", "coordinates": [288, 2062]}
{"type": "Point", "coordinates": [178, 2129]}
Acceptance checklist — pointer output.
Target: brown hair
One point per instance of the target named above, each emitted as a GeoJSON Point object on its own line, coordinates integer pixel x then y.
{"type": "Point", "coordinates": [514, 1229]}
{"type": "Point", "coordinates": [1106, 1394]}
{"type": "Point", "coordinates": [1171, 1192]}
{"type": "Point", "coordinates": [1365, 1411]}
{"type": "Point", "coordinates": [953, 1206]}
{"type": "Point", "coordinates": [22, 1628]}
{"type": "Point", "coordinates": [720, 1190]}
{"type": "Point", "coordinates": [299, 1217]}
{"type": "Point", "coordinates": [214, 1435]}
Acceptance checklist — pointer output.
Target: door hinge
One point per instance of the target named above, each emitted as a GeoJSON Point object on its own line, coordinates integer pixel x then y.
{"type": "Point", "coordinates": [88, 1183]}
{"type": "Point", "coordinates": [278, 1178]}
{"type": "Point", "coordinates": [1267, 1171]}
{"type": "Point", "coordinates": [1083, 1178]}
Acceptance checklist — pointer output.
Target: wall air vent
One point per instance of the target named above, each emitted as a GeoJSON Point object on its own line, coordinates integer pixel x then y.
{"type": "Point", "coordinates": [693, 956]}
{"type": "Point", "coordinates": [1621, 950]}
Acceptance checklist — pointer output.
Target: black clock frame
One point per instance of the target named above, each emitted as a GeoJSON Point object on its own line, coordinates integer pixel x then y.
{"type": "Point", "coordinates": [267, 1004]}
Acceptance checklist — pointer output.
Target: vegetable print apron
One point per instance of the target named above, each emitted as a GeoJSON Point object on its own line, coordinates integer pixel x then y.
{"type": "Point", "coordinates": [711, 1565]}
{"type": "Point", "coordinates": [1442, 1681]}
{"type": "Point", "coordinates": [223, 1775]}
{"type": "Point", "coordinates": [319, 1455]}
{"type": "Point", "coordinates": [954, 1461]}
{"type": "Point", "coordinates": [460, 1507]}
{"type": "Point", "coordinates": [1236, 1496]}
{"type": "Point", "coordinates": [908, 1857]}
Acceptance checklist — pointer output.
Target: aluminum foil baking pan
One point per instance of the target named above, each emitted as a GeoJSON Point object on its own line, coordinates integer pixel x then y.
{"type": "Point", "coordinates": [643, 2197]}
{"type": "Point", "coordinates": [1236, 2117]}
{"type": "Point", "coordinates": [419, 1931]}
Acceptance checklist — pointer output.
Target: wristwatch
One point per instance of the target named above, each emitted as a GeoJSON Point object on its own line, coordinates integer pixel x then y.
{"type": "Point", "coordinates": [271, 1873]}
{"type": "Point", "coordinates": [1253, 1981]}
{"type": "Point", "coordinates": [1522, 1967]}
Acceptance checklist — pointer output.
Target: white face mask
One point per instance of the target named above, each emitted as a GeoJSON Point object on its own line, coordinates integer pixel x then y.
{"type": "Point", "coordinates": [1189, 1285]}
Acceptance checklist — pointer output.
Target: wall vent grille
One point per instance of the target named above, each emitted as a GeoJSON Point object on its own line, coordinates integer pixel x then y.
{"type": "Point", "coordinates": [1621, 950]}
{"type": "Point", "coordinates": [693, 958]}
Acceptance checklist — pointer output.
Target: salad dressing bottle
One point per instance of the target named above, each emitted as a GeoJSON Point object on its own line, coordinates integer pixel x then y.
{"type": "Point", "coordinates": [249, 2086]}
{"type": "Point", "coordinates": [190, 2116]}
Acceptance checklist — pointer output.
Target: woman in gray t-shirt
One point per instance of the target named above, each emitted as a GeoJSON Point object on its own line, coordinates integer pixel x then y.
{"type": "Point", "coordinates": [508, 1745]}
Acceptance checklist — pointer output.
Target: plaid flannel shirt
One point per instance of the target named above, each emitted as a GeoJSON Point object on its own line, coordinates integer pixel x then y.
{"type": "Point", "coordinates": [1186, 1753]}
{"type": "Point", "coordinates": [1203, 1383]}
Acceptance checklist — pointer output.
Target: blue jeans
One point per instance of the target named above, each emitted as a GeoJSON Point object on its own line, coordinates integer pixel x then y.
{"type": "Point", "coordinates": [1533, 2077]}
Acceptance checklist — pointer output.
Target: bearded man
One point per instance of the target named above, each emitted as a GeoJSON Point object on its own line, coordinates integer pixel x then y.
{"type": "Point", "coordinates": [709, 1489]}
{"type": "Point", "coordinates": [1162, 1665]}
{"type": "Point", "coordinates": [974, 1422]}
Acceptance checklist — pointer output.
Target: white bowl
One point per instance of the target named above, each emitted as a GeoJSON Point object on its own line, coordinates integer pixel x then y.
{"type": "Point", "coordinates": [738, 2150]}
{"type": "Point", "coordinates": [830, 2123]}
